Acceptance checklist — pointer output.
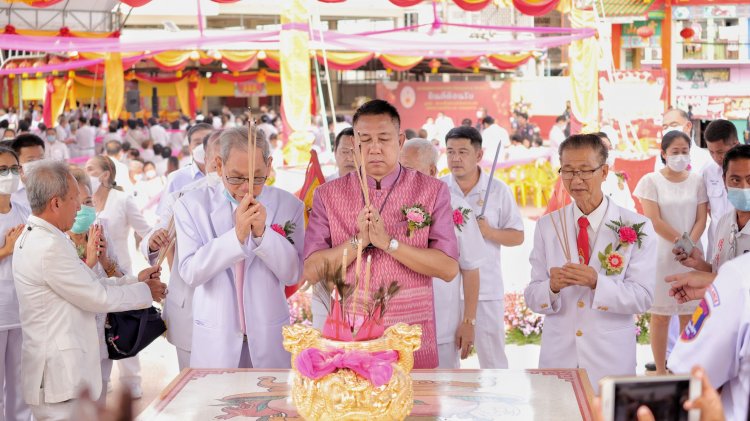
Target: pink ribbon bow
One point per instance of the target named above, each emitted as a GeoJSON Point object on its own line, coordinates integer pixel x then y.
{"type": "Point", "coordinates": [373, 366]}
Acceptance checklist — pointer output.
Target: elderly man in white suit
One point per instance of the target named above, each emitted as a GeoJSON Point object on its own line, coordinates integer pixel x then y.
{"type": "Point", "coordinates": [239, 249]}
{"type": "Point", "coordinates": [59, 297]}
{"type": "Point", "coordinates": [589, 298]}
{"type": "Point", "coordinates": [178, 308]}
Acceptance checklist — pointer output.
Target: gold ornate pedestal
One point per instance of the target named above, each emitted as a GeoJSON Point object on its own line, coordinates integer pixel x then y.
{"type": "Point", "coordinates": [343, 395]}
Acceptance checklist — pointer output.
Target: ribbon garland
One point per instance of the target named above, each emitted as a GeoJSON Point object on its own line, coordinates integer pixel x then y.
{"type": "Point", "coordinates": [376, 367]}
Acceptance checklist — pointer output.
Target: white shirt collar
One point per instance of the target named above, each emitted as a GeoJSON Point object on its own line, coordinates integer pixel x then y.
{"type": "Point", "coordinates": [595, 217]}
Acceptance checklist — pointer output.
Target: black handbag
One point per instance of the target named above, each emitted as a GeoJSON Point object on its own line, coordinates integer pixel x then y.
{"type": "Point", "coordinates": [128, 332]}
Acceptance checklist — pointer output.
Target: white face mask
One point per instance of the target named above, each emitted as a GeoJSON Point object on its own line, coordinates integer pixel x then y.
{"type": "Point", "coordinates": [199, 154]}
{"type": "Point", "coordinates": [678, 163]}
{"type": "Point", "coordinates": [29, 166]}
{"type": "Point", "coordinates": [138, 177]}
{"type": "Point", "coordinates": [9, 183]}
{"type": "Point", "coordinates": [150, 174]}
{"type": "Point", "coordinates": [95, 184]}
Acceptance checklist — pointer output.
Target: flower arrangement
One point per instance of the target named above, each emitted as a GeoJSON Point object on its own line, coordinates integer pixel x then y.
{"type": "Point", "coordinates": [522, 325]}
{"type": "Point", "coordinates": [622, 178]}
{"type": "Point", "coordinates": [643, 328]}
{"type": "Point", "coordinates": [627, 234]}
{"type": "Point", "coordinates": [299, 308]}
{"type": "Point", "coordinates": [612, 261]}
{"type": "Point", "coordinates": [417, 217]}
{"type": "Point", "coordinates": [285, 231]}
{"type": "Point", "coordinates": [459, 217]}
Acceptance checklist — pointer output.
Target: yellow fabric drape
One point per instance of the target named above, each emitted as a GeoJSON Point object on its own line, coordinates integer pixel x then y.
{"type": "Point", "coordinates": [115, 84]}
{"type": "Point", "coordinates": [584, 69]}
{"type": "Point", "coordinates": [182, 95]}
{"type": "Point", "coordinates": [172, 58]}
{"type": "Point", "coordinates": [199, 92]}
{"type": "Point", "coordinates": [295, 71]}
{"type": "Point", "coordinates": [58, 98]}
{"type": "Point", "coordinates": [237, 55]}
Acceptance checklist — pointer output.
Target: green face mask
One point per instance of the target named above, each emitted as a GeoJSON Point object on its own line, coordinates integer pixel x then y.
{"type": "Point", "coordinates": [84, 218]}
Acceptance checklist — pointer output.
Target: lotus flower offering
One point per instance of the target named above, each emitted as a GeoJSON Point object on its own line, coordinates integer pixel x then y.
{"type": "Point", "coordinates": [354, 369]}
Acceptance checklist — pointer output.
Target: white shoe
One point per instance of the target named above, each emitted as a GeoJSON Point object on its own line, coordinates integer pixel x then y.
{"type": "Point", "coordinates": [136, 392]}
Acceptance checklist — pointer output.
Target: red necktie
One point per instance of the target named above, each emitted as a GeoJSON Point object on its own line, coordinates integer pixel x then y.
{"type": "Point", "coordinates": [583, 240]}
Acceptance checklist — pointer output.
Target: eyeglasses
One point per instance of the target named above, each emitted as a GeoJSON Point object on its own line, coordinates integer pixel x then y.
{"type": "Point", "coordinates": [15, 169]}
{"type": "Point", "coordinates": [238, 181]}
{"type": "Point", "coordinates": [582, 174]}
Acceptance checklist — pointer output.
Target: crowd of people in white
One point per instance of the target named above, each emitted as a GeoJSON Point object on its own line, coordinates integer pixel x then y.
{"type": "Point", "coordinates": [69, 208]}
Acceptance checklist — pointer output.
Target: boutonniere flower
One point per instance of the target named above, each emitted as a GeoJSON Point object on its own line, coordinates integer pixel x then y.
{"type": "Point", "coordinates": [286, 231]}
{"type": "Point", "coordinates": [612, 261]}
{"type": "Point", "coordinates": [627, 234]}
{"type": "Point", "coordinates": [622, 177]}
{"type": "Point", "coordinates": [459, 217]}
{"type": "Point", "coordinates": [417, 217]}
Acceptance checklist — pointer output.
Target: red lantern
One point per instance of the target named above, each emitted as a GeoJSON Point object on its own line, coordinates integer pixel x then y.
{"type": "Point", "coordinates": [10, 30]}
{"type": "Point", "coordinates": [645, 32]}
{"type": "Point", "coordinates": [687, 33]}
{"type": "Point", "coordinates": [434, 65]}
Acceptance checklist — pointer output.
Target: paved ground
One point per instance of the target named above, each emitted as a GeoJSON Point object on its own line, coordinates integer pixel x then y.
{"type": "Point", "coordinates": [159, 361]}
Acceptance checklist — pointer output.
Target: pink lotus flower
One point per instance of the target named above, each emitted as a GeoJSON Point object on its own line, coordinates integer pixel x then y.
{"type": "Point", "coordinates": [415, 217]}
{"type": "Point", "coordinates": [628, 235]}
{"type": "Point", "coordinates": [458, 217]}
{"type": "Point", "coordinates": [278, 228]}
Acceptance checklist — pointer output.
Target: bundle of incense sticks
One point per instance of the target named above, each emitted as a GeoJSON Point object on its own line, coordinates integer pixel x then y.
{"type": "Point", "coordinates": [562, 235]}
{"type": "Point", "coordinates": [164, 251]}
{"type": "Point", "coordinates": [251, 152]}
{"type": "Point", "coordinates": [362, 175]}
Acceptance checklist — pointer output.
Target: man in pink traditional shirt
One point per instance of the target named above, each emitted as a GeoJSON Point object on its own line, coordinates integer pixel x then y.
{"type": "Point", "coordinates": [340, 220]}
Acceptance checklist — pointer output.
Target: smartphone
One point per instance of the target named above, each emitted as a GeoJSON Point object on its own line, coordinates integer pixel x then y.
{"type": "Point", "coordinates": [685, 243]}
{"type": "Point", "coordinates": [663, 395]}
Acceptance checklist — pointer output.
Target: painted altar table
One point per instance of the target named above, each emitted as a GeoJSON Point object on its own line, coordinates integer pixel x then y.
{"type": "Point", "coordinates": [248, 394]}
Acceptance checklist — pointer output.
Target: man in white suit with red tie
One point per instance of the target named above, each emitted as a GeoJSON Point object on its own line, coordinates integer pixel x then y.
{"type": "Point", "coordinates": [592, 270]}
{"type": "Point", "coordinates": [238, 251]}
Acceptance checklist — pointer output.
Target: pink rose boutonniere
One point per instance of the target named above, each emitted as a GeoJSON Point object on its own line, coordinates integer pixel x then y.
{"type": "Point", "coordinates": [611, 259]}
{"type": "Point", "coordinates": [285, 231]}
{"type": "Point", "coordinates": [459, 217]}
{"type": "Point", "coordinates": [417, 218]}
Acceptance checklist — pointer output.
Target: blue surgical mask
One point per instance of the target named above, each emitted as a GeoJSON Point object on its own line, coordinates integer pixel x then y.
{"type": "Point", "coordinates": [84, 218]}
{"type": "Point", "coordinates": [739, 198]}
{"type": "Point", "coordinates": [231, 199]}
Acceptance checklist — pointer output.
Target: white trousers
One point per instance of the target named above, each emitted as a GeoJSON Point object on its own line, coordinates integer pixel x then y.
{"type": "Point", "coordinates": [449, 356]}
{"type": "Point", "coordinates": [12, 405]}
{"type": "Point", "coordinates": [183, 358]}
{"type": "Point", "coordinates": [60, 411]}
{"type": "Point", "coordinates": [130, 371]}
{"type": "Point", "coordinates": [106, 366]}
{"type": "Point", "coordinates": [489, 338]}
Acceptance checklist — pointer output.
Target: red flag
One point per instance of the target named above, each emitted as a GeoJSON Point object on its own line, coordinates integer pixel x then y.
{"type": "Point", "coordinates": [313, 179]}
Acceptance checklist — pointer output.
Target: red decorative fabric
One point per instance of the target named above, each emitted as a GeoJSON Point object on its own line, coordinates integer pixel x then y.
{"type": "Point", "coordinates": [472, 6]}
{"type": "Point", "coordinates": [535, 7]}
{"type": "Point", "coordinates": [405, 3]}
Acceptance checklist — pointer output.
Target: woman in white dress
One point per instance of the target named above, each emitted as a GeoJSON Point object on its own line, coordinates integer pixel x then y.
{"type": "Point", "coordinates": [675, 200]}
{"type": "Point", "coordinates": [13, 216]}
{"type": "Point", "coordinates": [149, 188]}
{"type": "Point", "coordinates": [117, 213]}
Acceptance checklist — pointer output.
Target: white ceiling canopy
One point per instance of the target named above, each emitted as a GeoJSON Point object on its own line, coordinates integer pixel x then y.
{"type": "Point", "coordinates": [78, 15]}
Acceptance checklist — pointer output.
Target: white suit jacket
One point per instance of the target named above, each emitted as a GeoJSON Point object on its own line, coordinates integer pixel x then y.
{"type": "Point", "coordinates": [592, 329]}
{"type": "Point", "coordinates": [59, 297]}
{"type": "Point", "coordinates": [207, 249]}
{"type": "Point", "coordinates": [178, 308]}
